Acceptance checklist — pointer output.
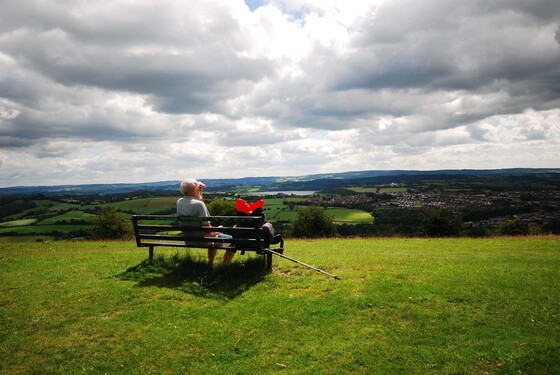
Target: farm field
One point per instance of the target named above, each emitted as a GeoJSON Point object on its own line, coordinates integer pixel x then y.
{"type": "Point", "coordinates": [402, 306]}
{"type": "Point", "coordinates": [17, 223]}
{"type": "Point", "coordinates": [379, 190]}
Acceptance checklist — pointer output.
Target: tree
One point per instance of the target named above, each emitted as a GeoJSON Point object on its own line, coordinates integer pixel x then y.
{"type": "Point", "coordinates": [444, 223]}
{"type": "Point", "coordinates": [515, 227]}
{"type": "Point", "coordinates": [110, 224]}
{"type": "Point", "coordinates": [313, 222]}
{"type": "Point", "coordinates": [222, 207]}
{"type": "Point", "coordinates": [553, 226]}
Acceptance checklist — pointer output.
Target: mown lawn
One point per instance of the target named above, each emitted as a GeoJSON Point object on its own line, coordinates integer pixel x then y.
{"type": "Point", "coordinates": [402, 306]}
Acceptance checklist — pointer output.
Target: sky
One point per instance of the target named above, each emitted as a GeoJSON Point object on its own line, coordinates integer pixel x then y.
{"type": "Point", "coordinates": [95, 91]}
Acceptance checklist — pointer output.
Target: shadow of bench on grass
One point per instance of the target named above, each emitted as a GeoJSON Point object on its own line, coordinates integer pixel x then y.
{"type": "Point", "coordinates": [192, 275]}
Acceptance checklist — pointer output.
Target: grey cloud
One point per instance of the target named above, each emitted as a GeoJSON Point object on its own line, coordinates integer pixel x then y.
{"type": "Point", "coordinates": [483, 133]}
{"type": "Point", "coordinates": [56, 149]}
{"type": "Point", "coordinates": [32, 126]}
{"type": "Point", "coordinates": [7, 142]}
{"type": "Point", "coordinates": [533, 134]}
{"type": "Point", "coordinates": [467, 55]}
{"type": "Point", "coordinates": [469, 49]}
{"type": "Point", "coordinates": [260, 138]}
{"type": "Point", "coordinates": [179, 83]}
{"type": "Point", "coordinates": [543, 10]}
{"type": "Point", "coordinates": [106, 24]}
{"type": "Point", "coordinates": [189, 67]}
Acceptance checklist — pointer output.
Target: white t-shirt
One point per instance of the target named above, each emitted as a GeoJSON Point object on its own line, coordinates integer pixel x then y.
{"type": "Point", "coordinates": [190, 206]}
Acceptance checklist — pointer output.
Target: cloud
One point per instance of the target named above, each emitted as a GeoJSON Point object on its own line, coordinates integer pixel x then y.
{"type": "Point", "coordinates": [111, 91]}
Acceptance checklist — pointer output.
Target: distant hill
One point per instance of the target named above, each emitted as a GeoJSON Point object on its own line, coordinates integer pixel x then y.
{"type": "Point", "coordinates": [306, 182]}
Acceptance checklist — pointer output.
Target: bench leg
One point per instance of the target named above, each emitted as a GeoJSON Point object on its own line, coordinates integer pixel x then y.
{"type": "Point", "coordinates": [268, 262]}
{"type": "Point", "coordinates": [151, 253]}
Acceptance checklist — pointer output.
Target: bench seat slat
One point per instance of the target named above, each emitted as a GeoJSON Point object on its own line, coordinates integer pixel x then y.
{"type": "Point", "coordinates": [152, 228]}
{"type": "Point", "coordinates": [183, 244]}
{"type": "Point", "coordinates": [199, 239]}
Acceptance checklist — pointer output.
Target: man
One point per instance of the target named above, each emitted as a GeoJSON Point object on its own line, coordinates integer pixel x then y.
{"type": "Point", "coordinates": [192, 205]}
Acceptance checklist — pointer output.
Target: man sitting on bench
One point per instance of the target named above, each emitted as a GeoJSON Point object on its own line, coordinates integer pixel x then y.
{"type": "Point", "coordinates": [192, 205]}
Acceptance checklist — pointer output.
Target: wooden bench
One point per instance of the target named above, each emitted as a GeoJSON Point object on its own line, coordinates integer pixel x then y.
{"type": "Point", "coordinates": [187, 231]}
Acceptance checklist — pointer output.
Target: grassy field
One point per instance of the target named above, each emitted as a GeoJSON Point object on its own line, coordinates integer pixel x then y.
{"type": "Point", "coordinates": [402, 306]}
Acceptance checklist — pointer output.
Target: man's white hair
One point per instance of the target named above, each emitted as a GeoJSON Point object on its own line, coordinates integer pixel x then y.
{"type": "Point", "coordinates": [190, 183]}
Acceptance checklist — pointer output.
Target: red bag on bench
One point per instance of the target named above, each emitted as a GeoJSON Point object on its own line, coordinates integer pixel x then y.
{"type": "Point", "coordinates": [248, 208]}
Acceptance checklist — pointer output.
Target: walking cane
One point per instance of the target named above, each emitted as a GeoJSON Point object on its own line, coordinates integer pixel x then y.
{"type": "Point", "coordinates": [303, 264]}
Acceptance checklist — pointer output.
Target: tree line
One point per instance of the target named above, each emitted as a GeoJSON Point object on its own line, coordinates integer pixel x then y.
{"type": "Point", "coordinates": [314, 222]}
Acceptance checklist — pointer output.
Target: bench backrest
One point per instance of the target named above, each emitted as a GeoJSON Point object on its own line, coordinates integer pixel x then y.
{"type": "Point", "coordinates": [187, 231]}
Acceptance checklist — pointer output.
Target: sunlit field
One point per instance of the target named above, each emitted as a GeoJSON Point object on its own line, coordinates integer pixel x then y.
{"type": "Point", "coordinates": [401, 306]}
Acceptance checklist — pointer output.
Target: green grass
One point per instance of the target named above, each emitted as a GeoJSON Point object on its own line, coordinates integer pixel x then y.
{"type": "Point", "coordinates": [402, 306]}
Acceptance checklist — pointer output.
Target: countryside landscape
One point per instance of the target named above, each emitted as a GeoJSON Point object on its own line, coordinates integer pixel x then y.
{"type": "Point", "coordinates": [368, 203]}
{"type": "Point", "coordinates": [444, 272]}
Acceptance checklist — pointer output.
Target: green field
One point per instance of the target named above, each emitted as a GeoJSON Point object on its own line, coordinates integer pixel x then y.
{"type": "Point", "coordinates": [402, 306]}
{"type": "Point", "coordinates": [349, 216]}
{"type": "Point", "coordinates": [17, 223]}
{"type": "Point", "coordinates": [67, 216]}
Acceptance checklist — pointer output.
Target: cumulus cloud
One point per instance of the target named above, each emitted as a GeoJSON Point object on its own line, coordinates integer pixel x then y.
{"type": "Point", "coordinates": [112, 91]}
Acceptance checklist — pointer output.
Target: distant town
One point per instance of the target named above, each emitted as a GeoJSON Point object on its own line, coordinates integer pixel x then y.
{"type": "Point", "coordinates": [540, 208]}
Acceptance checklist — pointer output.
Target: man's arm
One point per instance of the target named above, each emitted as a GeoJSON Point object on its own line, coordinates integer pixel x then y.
{"type": "Point", "coordinates": [203, 211]}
